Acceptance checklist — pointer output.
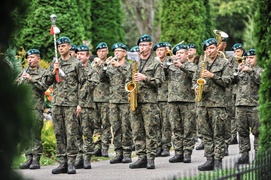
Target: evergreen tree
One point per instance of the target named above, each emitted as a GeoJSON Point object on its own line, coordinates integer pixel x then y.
{"type": "Point", "coordinates": [262, 32]}
{"type": "Point", "coordinates": [184, 20]}
{"type": "Point", "coordinates": [36, 26]}
{"type": "Point", "coordinates": [107, 17]}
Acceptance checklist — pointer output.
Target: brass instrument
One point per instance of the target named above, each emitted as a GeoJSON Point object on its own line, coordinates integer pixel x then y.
{"type": "Point", "coordinates": [170, 53]}
{"type": "Point", "coordinates": [219, 35]}
{"type": "Point", "coordinates": [201, 81]}
{"type": "Point", "coordinates": [241, 66]}
{"type": "Point", "coordinates": [108, 62]}
{"type": "Point", "coordinates": [21, 79]}
{"type": "Point", "coordinates": [240, 59]}
{"type": "Point", "coordinates": [96, 62]}
{"type": "Point", "coordinates": [132, 88]}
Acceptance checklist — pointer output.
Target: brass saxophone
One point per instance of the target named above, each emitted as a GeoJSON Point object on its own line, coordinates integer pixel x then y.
{"type": "Point", "coordinates": [132, 88]}
{"type": "Point", "coordinates": [201, 81]}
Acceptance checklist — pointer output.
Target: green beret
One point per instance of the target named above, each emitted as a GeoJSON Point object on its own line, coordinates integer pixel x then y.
{"type": "Point", "coordinates": [251, 52]}
{"type": "Point", "coordinates": [119, 45]}
{"type": "Point", "coordinates": [168, 45]}
{"type": "Point", "coordinates": [237, 46]}
{"type": "Point", "coordinates": [101, 45]}
{"type": "Point", "coordinates": [208, 42]}
{"type": "Point", "coordinates": [32, 51]}
{"type": "Point", "coordinates": [134, 49]}
{"type": "Point", "coordinates": [178, 47]}
{"type": "Point", "coordinates": [63, 40]}
{"type": "Point", "coordinates": [159, 45]}
{"type": "Point", "coordinates": [224, 39]}
{"type": "Point", "coordinates": [191, 46]}
{"type": "Point", "coordinates": [73, 47]}
{"type": "Point", "coordinates": [82, 48]}
{"type": "Point", "coordinates": [144, 38]}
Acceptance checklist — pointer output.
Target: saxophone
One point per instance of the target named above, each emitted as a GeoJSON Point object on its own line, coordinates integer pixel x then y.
{"type": "Point", "coordinates": [201, 81]}
{"type": "Point", "coordinates": [132, 88]}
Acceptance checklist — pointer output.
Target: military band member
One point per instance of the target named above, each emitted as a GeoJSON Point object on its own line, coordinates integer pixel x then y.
{"type": "Point", "coordinates": [102, 125]}
{"type": "Point", "coordinates": [144, 119]}
{"type": "Point", "coordinates": [134, 49]}
{"type": "Point", "coordinates": [117, 72]}
{"type": "Point", "coordinates": [164, 128]}
{"type": "Point", "coordinates": [73, 50]}
{"type": "Point", "coordinates": [192, 53]}
{"type": "Point", "coordinates": [248, 79]}
{"type": "Point", "coordinates": [181, 99]}
{"type": "Point", "coordinates": [65, 76]}
{"type": "Point", "coordinates": [33, 75]}
{"type": "Point", "coordinates": [211, 109]}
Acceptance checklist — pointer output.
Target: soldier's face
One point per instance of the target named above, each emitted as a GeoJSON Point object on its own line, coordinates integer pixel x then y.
{"type": "Point", "coordinates": [102, 53]}
{"type": "Point", "coordinates": [238, 52]}
{"type": "Point", "coordinates": [191, 52]}
{"type": "Point", "coordinates": [83, 56]}
{"type": "Point", "coordinates": [145, 47]}
{"type": "Point", "coordinates": [33, 60]}
{"type": "Point", "coordinates": [211, 51]}
{"type": "Point", "coordinates": [72, 53]}
{"type": "Point", "coordinates": [120, 53]}
{"type": "Point", "coordinates": [251, 60]}
{"type": "Point", "coordinates": [64, 49]}
{"type": "Point", "coordinates": [182, 55]}
{"type": "Point", "coordinates": [161, 52]}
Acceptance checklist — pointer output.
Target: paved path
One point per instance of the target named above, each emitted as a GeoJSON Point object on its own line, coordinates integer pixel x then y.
{"type": "Point", "coordinates": [103, 170]}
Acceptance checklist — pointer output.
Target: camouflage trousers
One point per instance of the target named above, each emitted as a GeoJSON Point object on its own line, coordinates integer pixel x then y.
{"type": "Point", "coordinates": [85, 133]}
{"type": "Point", "coordinates": [212, 127]}
{"type": "Point", "coordinates": [102, 126]}
{"type": "Point", "coordinates": [66, 131]}
{"type": "Point", "coordinates": [35, 149]}
{"type": "Point", "coordinates": [247, 117]}
{"type": "Point", "coordinates": [144, 121]}
{"type": "Point", "coordinates": [231, 130]}
{"type": "Point", "coordinates": [182, 118]}
{"type": "Point", "coordinates": [164, 132]}
{"type": "Point", "coordinates": [121, 127]}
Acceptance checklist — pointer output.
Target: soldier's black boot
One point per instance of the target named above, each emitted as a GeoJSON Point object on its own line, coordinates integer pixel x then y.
{"type": "Point", "coordinates": [71, 168]}
{"type": "Point", "coordinates": [127, 158]}
{"type": "Point", "coordinates": [158, 152]}
{"type": "Point", "coordinates": [234, 140]}
{"type": "Point", "coordinates": [187, 158]}
{"type": "Point", "coordinates": [105, 152]}
{"type": "Point", "coordinates": [27, 163]}
{"type": "Point", "coordinates": [244, 159]}
{"type": "Point", "coordinates": [87, 164]}
{"type": "Point", "coordinates": [177, 158]}
{"type": "Point", "coordinates": [117, 159]}
{"type": "Point", "coordinates": [79, 164]}
{"type": "Point", "coordinates": [98, 152]}
{"type": "Point", "coordinates": [150, 164]}
{"type": "Point", "coordinates": [208, 165]}
{"type": "Point", "coordinates": [165, 152]}
{"type": "Point", "coordinates": [35, 163]}
{"type": "Point", "coordinates": [62, 168]}
{"type": "Point", "coordinates": [200, 146]}
{"type": "Point", "coordinates": [218, 164]}
{"type": "Point", "coordinates": [140, 163]}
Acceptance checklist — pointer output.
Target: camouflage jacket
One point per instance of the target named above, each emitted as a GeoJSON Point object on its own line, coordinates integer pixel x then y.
{"type": "Point", "coordinates": [117, 78]}
{"type": "Point", "coordinates": [67, 92]}
{"type": "Point", "coordinates": [148, 89]}
{"type": "Point", "coordinates": [248, 84]}
{"type": "Point", "coordinates": [214, 90]}
{"type": "Point", "coordinates": [37, 85]}
{"type": "Point", "coordinates": [101, 91]}
{"type": "Point", "coordinates": [163, 90]}
{"type": "Point", "coordinates": [180, 83]}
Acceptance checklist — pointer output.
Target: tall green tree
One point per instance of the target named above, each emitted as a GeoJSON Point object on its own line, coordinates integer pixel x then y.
{"type": "Point", "coordinates": [107, 17]}
{"type": "Point", "coordinates": [263, 34]}
{"type": "Point", "coordinates": [183, 20]}
{"type": "Point", "coordinates": [36, 26]}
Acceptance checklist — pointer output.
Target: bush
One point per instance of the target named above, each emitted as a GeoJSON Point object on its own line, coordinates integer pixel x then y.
{"type": "Point", "coordinates": [48, 139]}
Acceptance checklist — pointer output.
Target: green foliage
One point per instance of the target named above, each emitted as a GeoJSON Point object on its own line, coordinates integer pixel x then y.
{"type": "Point", "coordinates": [107, 17]}
{"type": "Point", "coordinates": [85, 16]}
{"type": "Point", "coordinates": [48, 139]}
{"type": "Point", "coordinates": [262, 32]}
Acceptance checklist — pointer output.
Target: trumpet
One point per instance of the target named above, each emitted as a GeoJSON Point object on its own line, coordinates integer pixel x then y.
{"type": "Point", "coordinates": [239, 69]}
{"type": "Point", "coordinates": [108, 62]}
{"type": "Point", "coordinates": [96, 62]}
{"type": "Point", "coordinates": [240, 59]}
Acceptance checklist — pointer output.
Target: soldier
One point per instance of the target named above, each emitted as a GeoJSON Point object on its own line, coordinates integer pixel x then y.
{"type": "Point", "coordinates": [134, 49]}
{"type": "Point", "coordinates": [192, 53]}
{"type": "Point", "coordinates": [102, 129]}
{"type": "Point", "coordinates": [211, 109]}
{"type": "Point", "coordinates": [87, 115]}
{"type": "Point", "coordinates": [33, 75]}
{"type": "Point", "coordinates": [146, 116]}
{"type": "Point", "coordinates": [117, 71]}
{"type": "Point", "coordinates": [164, 128]}
{"type": "Point", "coordinates": [73, 50]}
{"type": "Point", "coordinates": [248, 79]}
{"type": "Point", "coordinates": [65, 76]}
{"type": "Point", "coordinates": [181, 106]}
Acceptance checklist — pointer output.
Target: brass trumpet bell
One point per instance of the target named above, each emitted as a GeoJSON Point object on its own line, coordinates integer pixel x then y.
{"type": "Point", "coordinates": [219, 35]}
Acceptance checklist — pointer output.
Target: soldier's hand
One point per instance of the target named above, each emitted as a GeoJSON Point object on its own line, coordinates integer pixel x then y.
{"type": "Point", "coordinates": [78, 110]}
{"type": "Point", "coordinates": [56, 67]}
{"type": "Point", "coordinates": [140, 77]}
{"type": "Point", "coordinates": [26, 76]}
{"type": "Point", "coordinates": [207, 74]}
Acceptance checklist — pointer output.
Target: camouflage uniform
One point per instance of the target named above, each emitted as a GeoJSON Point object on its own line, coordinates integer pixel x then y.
{"type": "Point", "coordinates": [66, 97]}
{"type": "Point", "coordinates": [181, 99]}
{"type": "Point", "coordinates": [248, 84]}
{"type": "Point", "coordinates": [39, 87]}
{"type": "Point", "coordinates": [146, 117]}
{"type": "Point", "coordinates": [211, 110]}
{"type": "Point", "coordinates": [119, 108]}
{"type": "Point", "coordinates": [164, 127]}
{"type": "Point", "coordinates": [102, 126]}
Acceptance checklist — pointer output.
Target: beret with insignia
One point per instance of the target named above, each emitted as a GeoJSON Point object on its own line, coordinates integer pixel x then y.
{"type": "Point", "coordinates": [32, 51]}
{"type": "Point", "coordinates": [82, 48]}
{"type": "Point", "coordinates": [73, 47]}
{"type": "Point", "coordinates": [224, 39]}
{"type": "Point", "coordinates": [208, 42]}
{"type": "Point", "coordinates": [178, 47]}
{"type": "Point", "coordinates": [237, 46]}
{"type": "Point", "coordinates": [101, 45]}
{"type": "Point", "coordinates": [63, 40]}
{"type": "Point", "coordinates": [159, 45]}
{"type": "Point", "coordinates": [144, 38]}
{"type": "Point", "coordinates": [168, 45]}
{"type": "Point", "coordinates": [119, 45]}
{"type": "Point", "coordinates": [191, 46]}
{"type": "Point", "coordinates": [251, 52]}
{"type": "Point", "coordinates": [134, 49]}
